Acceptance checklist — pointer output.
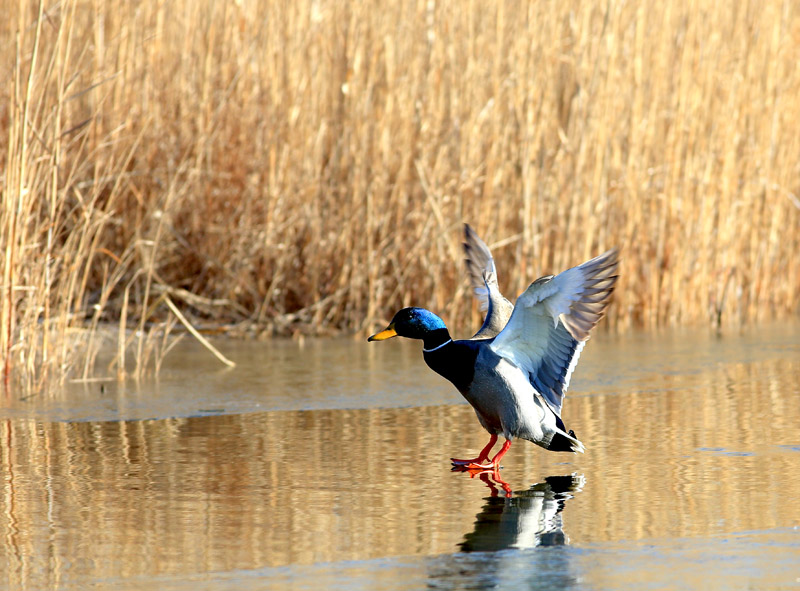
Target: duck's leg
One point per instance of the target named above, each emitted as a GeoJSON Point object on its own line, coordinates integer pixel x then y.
{"type": "Point", "coordinates": [495, 463]}
{"type": "Point", "coordinates": [482, 457]}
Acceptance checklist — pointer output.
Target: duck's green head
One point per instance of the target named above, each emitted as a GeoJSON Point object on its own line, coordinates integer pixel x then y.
{"type": "Point", "coordinates": [413, 323]}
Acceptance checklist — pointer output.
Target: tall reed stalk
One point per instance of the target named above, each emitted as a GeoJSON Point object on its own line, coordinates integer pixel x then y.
{"type": "Point", "coordinates": [306, 167]}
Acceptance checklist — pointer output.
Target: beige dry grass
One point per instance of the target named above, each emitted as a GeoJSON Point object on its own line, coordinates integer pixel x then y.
{"type": "Point", "coordinates": [307, 166]}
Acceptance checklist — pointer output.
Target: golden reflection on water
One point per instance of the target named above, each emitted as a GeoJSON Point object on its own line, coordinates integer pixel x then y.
{"type": "Point", "coordinates": [677, 456]}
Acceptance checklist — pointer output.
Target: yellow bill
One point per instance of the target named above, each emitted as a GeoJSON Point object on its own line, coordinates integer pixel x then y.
{"type": "Point", "coordinates": [386, 333]}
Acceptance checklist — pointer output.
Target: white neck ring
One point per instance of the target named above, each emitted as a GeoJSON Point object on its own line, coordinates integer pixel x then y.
{"type": "Point", "coordinates": [447, 342]}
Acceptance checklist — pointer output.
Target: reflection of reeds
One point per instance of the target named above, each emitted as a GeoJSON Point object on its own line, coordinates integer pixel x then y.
{"type": "Point", "coordinates": [306, 166]}
{"type": "Point", "coordinates": [213, 494]}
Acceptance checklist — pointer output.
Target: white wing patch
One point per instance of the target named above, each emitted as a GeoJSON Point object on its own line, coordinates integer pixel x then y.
{"type": "Point", "coordinates": [552, 320]}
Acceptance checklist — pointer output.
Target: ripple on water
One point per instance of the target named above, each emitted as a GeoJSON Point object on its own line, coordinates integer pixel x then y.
{"type": "Point", "coordinates": [362, 496]}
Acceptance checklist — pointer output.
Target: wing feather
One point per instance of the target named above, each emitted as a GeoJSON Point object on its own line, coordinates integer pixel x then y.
{"type": "Point", "coordinates": [552, 320]}
{"type": "Point", "coordinates": [483, 277]}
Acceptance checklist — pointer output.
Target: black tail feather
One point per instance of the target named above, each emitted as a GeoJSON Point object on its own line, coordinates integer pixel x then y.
{"type": "Point", "coordinates": [560, 443]}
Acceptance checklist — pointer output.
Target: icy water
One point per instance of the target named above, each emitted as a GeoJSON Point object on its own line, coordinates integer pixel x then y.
{"type": "Point", "coordinates": [326, 466]}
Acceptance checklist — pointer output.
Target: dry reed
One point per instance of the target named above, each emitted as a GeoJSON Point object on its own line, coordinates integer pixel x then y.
{"type": "Point", "coordinates": [304, 167]}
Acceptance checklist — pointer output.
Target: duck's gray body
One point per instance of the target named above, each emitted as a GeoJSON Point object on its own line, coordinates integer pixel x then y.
{"type": "Point", "coordinates": [503, 398]}
{"type": "Point", "coordinates": [506, 403]}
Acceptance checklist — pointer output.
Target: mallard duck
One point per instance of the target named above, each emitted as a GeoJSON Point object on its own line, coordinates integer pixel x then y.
{"type": "Point", "coordinates": [515, 373]}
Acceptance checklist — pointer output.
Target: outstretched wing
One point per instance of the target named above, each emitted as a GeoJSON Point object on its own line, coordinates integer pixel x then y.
{"type": "Point", "coordinates": [483, 277]}
{"type": "Point", "coordinates": [552, 320]}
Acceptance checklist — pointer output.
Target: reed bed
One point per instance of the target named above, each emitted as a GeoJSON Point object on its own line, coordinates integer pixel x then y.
{"type": "Point", "coordinates": [305, 167]}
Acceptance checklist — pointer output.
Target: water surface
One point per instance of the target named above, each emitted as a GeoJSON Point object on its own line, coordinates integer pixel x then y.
{"type": "Point", "coordinates": [326, 466]}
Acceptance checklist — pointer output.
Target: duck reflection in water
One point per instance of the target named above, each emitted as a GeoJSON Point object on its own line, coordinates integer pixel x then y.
{"type": "Point", "coordinates": [532, 518]}
{"type": "Point", "coordinates": [503, 551]}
